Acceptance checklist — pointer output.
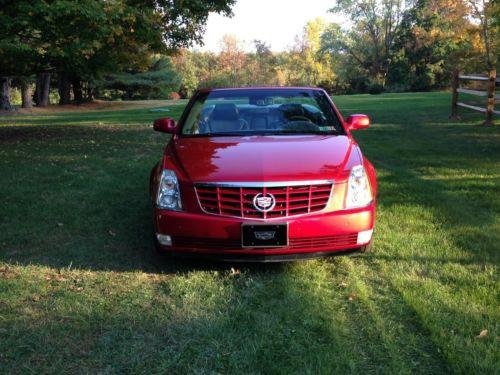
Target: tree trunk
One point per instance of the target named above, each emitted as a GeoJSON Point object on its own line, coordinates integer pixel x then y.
{"type": "Point", "coordinates": [36, 93]}
{"type": "Point", "coordinates": [64, 88]}
{"type": "Point", "coordinates": [128, 95]}
{"type": "Point", "coordinates": [42, 89]}
{"type": "Point", "coordinates": [77, 90]}
{"type": "Point", "coordinates": [5, 94]}
{"type": "Point", "coordinates": [26, 94]}
{"type": "Point", "coordinates": [89, 93]}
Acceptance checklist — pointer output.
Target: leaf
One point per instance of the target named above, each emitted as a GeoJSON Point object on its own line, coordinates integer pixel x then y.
{"type": "Point", "coordinates": [482, 334]}
{"type": "Point", "coordinates": [234, 272]}
{"type": "Point", "coordinates": [112, 233]}
{"type": "Point", "coordinates": [57, 277]}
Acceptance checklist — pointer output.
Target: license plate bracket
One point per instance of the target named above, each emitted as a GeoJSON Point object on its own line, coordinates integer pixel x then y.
{"type": "Point", "coordinates": [264, 235]}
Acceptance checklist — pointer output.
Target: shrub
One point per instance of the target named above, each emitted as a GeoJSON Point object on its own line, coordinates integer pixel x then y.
{"type": "Point", "coordinates": [375, 88]}
{"type": "Point", "coordinates": [174, 96]}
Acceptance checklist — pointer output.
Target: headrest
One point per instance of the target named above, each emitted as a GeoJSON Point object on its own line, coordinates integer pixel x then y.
{"type": "Point", "coordinates": [225, 112]}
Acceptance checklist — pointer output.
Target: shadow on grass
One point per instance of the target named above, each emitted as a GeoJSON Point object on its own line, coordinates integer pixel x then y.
{"type": "Point", "coordinates": [77, 197]}
{"type": "Point", "coordinates": [292, 318]}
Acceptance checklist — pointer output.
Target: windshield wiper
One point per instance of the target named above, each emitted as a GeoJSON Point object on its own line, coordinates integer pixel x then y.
{"type": "Point", "coordinates": [305, 132]}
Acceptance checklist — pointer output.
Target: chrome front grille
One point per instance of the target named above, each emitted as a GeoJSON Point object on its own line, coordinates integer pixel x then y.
{"type": "Point", "coordinates": [239, 201]}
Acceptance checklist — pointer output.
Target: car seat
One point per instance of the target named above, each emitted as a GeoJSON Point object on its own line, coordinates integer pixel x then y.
{"type": "Point", "coordinates": [224, 118]}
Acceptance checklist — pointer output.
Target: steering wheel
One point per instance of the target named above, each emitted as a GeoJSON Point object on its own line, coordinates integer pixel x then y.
{"type": "Point", "coordinates": [300, 118]}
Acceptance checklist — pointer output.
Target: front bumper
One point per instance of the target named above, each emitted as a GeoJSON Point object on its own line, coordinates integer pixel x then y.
{"type": "Point", "coordinates": [315, 234]}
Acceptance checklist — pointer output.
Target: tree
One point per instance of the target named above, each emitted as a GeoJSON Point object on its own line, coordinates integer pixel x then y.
{"type": "Point", "coordinates": [369, 41]}
{"type": "Point", "coordinates": [185, 64]}
{"type": "Point", "coordinates": [182, 22]}
{"type": "Point", "coordinates": [4, 94]}
{"type": "Point", "coordinates": [156, 82]}
{"type": "Point", "coordinates": [486, 13]}
{"type": "Point", "coordinates": [232, 60]}
{"type": "Point", "coordinates": [261, 65]}
{"type": "Point", "coordinates": [434, 36]}
{"type": "Point", "coordinates": [81, 41]}
{"type": "Point", "coordinates": [17, 55]}
{"type": "Point", "coordinates": [317, 66]}
{"type": "Point", "coordinates": [305, 64]}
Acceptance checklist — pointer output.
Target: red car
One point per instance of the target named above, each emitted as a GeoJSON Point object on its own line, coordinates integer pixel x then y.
{"type": "Point", "coordinates": [263, 174]}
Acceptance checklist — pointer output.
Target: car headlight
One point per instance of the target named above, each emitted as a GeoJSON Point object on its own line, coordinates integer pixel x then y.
{"type": "Point", "coordinates": [358, 188]}
{"type": "Point", "coordinates": [169, 196]}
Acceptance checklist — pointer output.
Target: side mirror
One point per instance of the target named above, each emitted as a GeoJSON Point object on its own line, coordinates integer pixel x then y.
{"type": "Point", "coordinates": [355, 122]}
{"type": "Point", "coordinates": [165, 125]}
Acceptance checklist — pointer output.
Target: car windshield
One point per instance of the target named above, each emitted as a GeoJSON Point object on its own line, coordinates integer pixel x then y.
{"type": "Point", "coordinates": [261, 111]}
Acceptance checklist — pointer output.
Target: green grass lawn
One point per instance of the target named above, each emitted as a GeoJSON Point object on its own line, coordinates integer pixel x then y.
{"type": "Point", "coordinates": [82, 291]}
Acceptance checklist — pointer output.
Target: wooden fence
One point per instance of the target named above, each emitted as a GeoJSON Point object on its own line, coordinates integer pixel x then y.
{"type": "Point", "coordinates": [489, 110]}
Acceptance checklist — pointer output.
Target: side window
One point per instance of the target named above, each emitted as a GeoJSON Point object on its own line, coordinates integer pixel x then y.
{"type": "Point", "coordinates": [191, 126]}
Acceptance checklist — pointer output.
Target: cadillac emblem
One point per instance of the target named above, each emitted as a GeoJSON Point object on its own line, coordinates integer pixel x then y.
{"type": "Point", "coordinates": [264, 203]}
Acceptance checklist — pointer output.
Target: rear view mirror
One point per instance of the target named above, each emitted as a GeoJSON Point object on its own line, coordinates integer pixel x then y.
{"type": "Point", "coordinates": [357, 121]}
{"type": "Point", "coordinates": [165, 125]}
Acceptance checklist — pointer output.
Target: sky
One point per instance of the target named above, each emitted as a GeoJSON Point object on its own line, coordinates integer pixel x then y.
{"type": "Point", "coordinates": [276, 22]}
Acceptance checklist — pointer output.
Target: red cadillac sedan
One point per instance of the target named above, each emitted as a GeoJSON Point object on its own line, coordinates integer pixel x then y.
{"type": "Point", "coordinates": [263, 174]}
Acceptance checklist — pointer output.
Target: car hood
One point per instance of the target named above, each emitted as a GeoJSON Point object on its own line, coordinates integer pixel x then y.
{"type": "Point", "coordinates": [261, 158]}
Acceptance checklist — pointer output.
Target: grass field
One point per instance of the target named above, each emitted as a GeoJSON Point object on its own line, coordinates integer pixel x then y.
{"type": "Point", "coordinates": [82, 291]}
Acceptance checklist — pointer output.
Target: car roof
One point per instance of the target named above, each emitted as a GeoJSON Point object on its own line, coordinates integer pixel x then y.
{"type": "Point", "coordinates": [261, 88]}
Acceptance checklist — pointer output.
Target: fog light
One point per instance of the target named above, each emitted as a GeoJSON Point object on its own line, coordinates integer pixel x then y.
{"type": "Point", "coordinates": [165, 239]}
{"type": "Point", "coordinates": [364, 237]}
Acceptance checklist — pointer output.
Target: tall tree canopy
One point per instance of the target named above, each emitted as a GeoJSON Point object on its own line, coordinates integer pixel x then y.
{"type": "Point", "coordinates": [487, 14]}
{"type": "Point", "coordinates": [370, 38]}
{"type": "Point", "coordinates": [434, 35]}
{"type": "Point", "coordinates": [81, 40]}
{"type": "Point", "coordinates": [411, 45]}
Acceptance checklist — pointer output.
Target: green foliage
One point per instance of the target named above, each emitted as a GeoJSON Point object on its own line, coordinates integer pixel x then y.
{"type": "Point", "coordinates": [17, 53]}
{"type": "Point", "coordinates": [158, 81]}
{"type": "Point", "coordinates": [408, 45]}
{"type": "Point", "coordinates": [375, 88]}
{"type": "Point", "coordinates": [187, 68]}
{"type": "Point", "coordinates": [431, 34]}
{"type": "Point", "coordinates": [15, 97]}
{"type": "Point", "coordinates": [232, 66]}
{"type": "Point", "coordinates": [183, 21]}
{"type": "Point", "coordinates": [401, 45]}
{"type": "Point", "coordinates": [83, 40]}
{"type": "Point", "coordinates": [369, 41]}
